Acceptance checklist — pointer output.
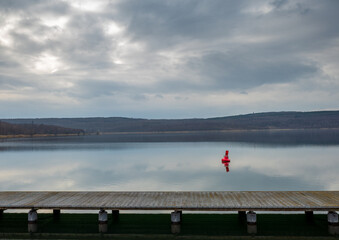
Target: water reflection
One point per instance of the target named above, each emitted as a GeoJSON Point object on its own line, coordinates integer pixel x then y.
{"type": "Point", "coordinates": [166, 166]}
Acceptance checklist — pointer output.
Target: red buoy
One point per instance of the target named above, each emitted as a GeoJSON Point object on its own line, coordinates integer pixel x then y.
{"type": "Point", "coordinates": [226, 161]}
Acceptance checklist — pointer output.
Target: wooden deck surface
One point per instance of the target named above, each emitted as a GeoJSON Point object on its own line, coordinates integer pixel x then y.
{"type": "Point", "coordinates": [196, 201]}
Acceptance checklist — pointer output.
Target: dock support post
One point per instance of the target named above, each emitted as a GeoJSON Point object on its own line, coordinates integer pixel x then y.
{"type": "Point", "coordinates": [175, 222]}
{"type": "Point", "coordinates": [176, 217]}
{"type": "Point", "coordinates": [32, 221]}
{"type": "Point", "coordinates": [1, 212]}
{"type": "Point", "coordinates": [332, 218]}
{"type": "Point", "coordinates": [241, 215]}
{"type": "Point", "coordinates": [115, 215]}
{"type": "Point", "coordinates": [251, 219]}
{"type": "Point", "coordinates": [180, 213]}
{"type": "Point", "coordinates": [103, 220]}
{"type": "Point", "coordinates": [32, 216]}
{"type": "Point", "coordinates": [56, 214]}
{"type": "Point", "coordinates": [333, 223]}
{"type": "Point", "coordinates": [309, 216]}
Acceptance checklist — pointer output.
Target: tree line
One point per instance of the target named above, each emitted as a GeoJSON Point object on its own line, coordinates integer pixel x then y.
{"type": "Point", "coordinates": [254, 121]}
{"type": "Point", "coordinates": [33, 129]}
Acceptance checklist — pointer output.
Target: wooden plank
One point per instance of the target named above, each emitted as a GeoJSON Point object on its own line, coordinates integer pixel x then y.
{"type": "Point", "coordinates": [207, 201]}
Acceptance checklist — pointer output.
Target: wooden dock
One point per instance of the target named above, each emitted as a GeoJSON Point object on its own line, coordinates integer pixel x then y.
{"type": "Point", "coordinates": [192, 201]}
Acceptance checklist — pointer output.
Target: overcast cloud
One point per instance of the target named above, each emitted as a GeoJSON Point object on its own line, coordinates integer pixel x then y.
{"type": "Point", "coordinates": [167, 59]}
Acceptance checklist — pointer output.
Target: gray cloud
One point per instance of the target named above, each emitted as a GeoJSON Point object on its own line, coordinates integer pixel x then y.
{"type": "Point", "coordinates": [165, 23]}
{"type": "Point", "coordinates": [7, 82]}
{"type": "Point", "coordinates": [242, 71]}
{"type": "Point", "coordinates": [132, 52]}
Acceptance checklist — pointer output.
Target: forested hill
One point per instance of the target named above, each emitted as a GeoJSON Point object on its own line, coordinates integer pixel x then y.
{"type": "Point", "coordinates": [35, 129]}
{"type": "Point", "coordinates": [269, 120]}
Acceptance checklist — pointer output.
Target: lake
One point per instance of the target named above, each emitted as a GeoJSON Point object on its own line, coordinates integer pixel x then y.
{"type": "Point", "coordinates": [97, 163]}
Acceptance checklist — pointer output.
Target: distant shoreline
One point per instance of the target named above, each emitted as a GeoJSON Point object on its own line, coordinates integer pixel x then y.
{"type": "Point", "coordinates": [248, 122]}
{"type": "Point", "coordinates": [320, 136]}
{"type": "Point", "coordinates": [216, 131]}
{"type": "Point", "coordinates": [165, 132]}
{"type": "Point", "coordinates": [36, 135]}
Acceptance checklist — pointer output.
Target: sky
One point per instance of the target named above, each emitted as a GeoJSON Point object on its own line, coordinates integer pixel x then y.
{"type": "Point", "coordinates": [167, 59]}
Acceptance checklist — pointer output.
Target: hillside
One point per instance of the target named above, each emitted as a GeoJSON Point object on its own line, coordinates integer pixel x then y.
{"type": "Point", "coordinates": [256, 121]}
{"type": "Point", "coordinates": [35, 129]}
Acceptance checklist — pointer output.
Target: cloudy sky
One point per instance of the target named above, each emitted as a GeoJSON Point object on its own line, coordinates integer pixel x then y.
{"type": "Point", "coordinates": [167, 59]}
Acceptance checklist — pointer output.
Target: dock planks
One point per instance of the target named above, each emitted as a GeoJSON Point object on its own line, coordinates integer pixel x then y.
{"type": "Point", "coordinates": [193, 201]}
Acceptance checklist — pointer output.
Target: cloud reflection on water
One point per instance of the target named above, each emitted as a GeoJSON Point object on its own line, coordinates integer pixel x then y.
{"type": "Point", "coordinates": [170, 167]}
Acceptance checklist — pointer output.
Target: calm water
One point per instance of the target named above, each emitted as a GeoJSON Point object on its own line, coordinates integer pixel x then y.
{"type": "Point", "coordinates": [83, 164]}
